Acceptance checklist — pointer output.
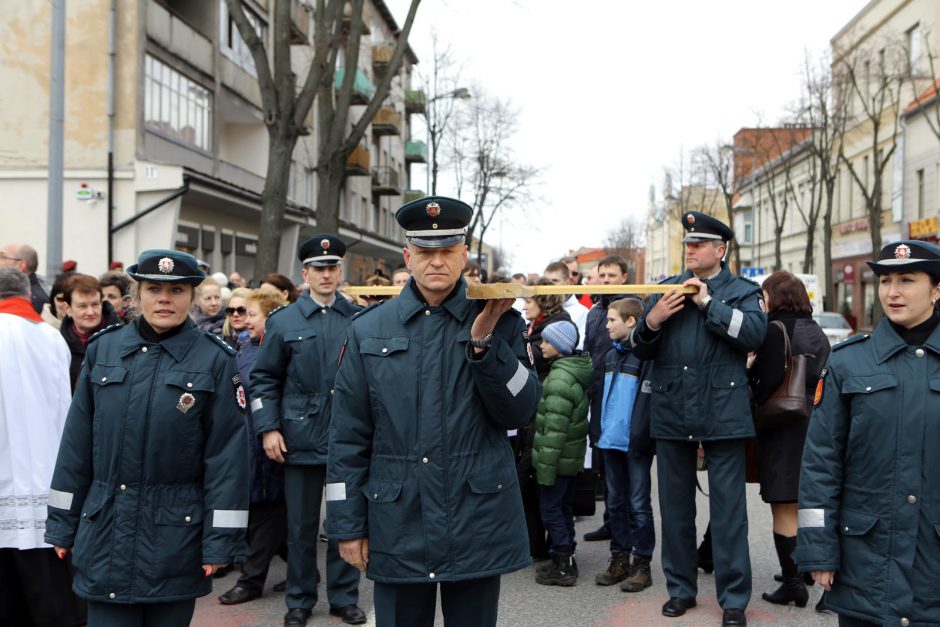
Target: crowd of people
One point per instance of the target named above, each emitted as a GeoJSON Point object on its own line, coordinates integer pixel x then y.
{"type": "Point", "coordinates": [200, 423]}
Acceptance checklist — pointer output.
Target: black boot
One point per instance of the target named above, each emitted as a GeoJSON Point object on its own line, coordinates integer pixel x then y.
{"type": "Point", "coordinates": [563, 571]}
{"type": "Point", "coordinates": [705, 561]}
{"type": "Point", "coordinates": [792, 588]}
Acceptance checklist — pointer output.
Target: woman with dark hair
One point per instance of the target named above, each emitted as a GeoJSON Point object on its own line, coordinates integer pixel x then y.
{"type": "Point", "coordinates": [780, 450]}
{"type": "Point", "coordinates": [282, 284]}
{"type": "Point", "coordinates": [870, 484]}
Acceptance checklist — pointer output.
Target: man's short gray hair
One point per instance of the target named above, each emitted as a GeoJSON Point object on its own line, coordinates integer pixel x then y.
{"type": "Point", "coordinates": [13, 284]}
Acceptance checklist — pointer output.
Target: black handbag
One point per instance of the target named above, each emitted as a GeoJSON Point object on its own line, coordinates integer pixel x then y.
{"type": "Point", "coordinates": [787, 404]}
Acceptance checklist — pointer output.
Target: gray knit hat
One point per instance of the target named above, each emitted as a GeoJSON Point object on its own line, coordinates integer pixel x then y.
{"type": "Point", "coordinates": [563, 335]}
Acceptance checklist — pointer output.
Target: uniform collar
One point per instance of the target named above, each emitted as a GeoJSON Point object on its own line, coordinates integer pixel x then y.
{"type": "Point", "coordinates": [887, 342]}
{"type": "Point", "coordinates": [177, 346]}
{"type": "Point", "coordinates": [308, 306]}
{"type": "Point", "coordinates": [409, 304]}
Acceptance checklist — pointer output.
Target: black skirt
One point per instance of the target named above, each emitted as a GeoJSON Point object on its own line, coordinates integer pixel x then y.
{"type": "Point", "coordinates": [779, 458]}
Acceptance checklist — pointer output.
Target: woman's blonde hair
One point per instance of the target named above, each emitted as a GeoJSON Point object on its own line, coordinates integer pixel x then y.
{"type": "Point", "coordinates": [267, 300]}
{"type": "Point", "coordinates": [238, 292]}
{"type": "Point", "coordinates": [207, 282]}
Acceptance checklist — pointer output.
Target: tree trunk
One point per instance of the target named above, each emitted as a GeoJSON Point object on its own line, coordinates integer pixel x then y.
{"type": "Point", "coordinates": [810, 244]}
{"type": "Point", "coordinates": [778, 231]}
{"type": "Point", "coordinates": [274, 198]}
{"type": "Point", "coordinates": [830, 301]}
{"type": "Point", "coordinates": [331, 174]}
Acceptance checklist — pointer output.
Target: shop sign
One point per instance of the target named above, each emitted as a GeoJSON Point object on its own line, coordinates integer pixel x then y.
{"type": "Point", "coordinates": [854, 226]}
{"type": "Point", "coordinates": [924, 229]}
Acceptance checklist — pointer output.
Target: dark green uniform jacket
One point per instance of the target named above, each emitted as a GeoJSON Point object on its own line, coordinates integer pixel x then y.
{"type": "Point", "coordinates": [561, 424]}
{"type": "Point", "coordinates": [292, 379]}
{"type": "Point", "coordinates": [699, 376]}
{"type": "Point", "coordinates": [870, 483]}
{"type": "Point", "coordinates": [146, 492]}
{"type": "Point", "coordinates": [419, 458]}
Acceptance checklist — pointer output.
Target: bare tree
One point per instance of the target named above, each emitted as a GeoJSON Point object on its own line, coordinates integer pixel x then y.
{"type": "Point", "coordinates": [286, 106]}
{"type": "Point", "coordinates": [443, 90]}
{"type": "Point", "coordinates": [626, 240]}
{"type": "Point", "coordinates": [485, 162]}
{"type": "Point", "coordinates": [719, 162]}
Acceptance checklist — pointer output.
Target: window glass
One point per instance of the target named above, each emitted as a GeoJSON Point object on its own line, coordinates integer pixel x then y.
{"type": "Point", "coordinates": [176, 105]}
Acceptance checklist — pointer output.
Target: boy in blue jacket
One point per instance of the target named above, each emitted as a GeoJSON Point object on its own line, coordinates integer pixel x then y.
{"type": "Point", "coordinates": [628, 453]}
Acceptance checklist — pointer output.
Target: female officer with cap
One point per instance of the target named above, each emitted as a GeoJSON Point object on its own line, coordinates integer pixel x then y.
{"type": "Point", "coordinates": [869, 517]}
{"type": "Point", "coordinates": [150, 488]}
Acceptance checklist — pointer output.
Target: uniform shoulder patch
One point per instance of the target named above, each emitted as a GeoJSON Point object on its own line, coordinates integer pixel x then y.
{"type": "Point", "coordinates": [669, 280]}
{"type": "Point", "coordinates": [277, 310]}
{"type": "Point", "coordinates": [362, 312]}
{"type": "Point", "coordinates": [855, 339]}
{"type": "Point", "coordinates": [222, 343]}
{"type": "Point", "coordinates": [107, 329]}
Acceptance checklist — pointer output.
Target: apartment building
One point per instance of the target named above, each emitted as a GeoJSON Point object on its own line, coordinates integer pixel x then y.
{"type": "Point", "coordinates": [186, 135]}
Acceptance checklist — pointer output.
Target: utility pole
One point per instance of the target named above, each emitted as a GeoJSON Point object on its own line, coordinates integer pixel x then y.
{"type": "Point", "coordinates": [56, 140]}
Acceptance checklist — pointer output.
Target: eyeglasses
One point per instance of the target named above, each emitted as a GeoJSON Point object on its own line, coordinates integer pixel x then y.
{"type": "Point", "coordinates": [241, 311]}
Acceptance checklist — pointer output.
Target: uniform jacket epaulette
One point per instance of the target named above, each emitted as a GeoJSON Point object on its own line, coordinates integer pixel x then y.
{"type": "Point", "coordinates": [107, 329]}
{"type": "Point", "coordinates": [850, 340]}
{"type": "Point", "coordinates": [218, 340]}
{"type": "Point", "coordinates": [359, 313]}
{"type": "Point", "coordinates": [277, 310]}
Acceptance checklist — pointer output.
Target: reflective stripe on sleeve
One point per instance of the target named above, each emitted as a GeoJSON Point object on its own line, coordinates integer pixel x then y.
{"type": "Point", "coordinates": [518, 380]}
{"type": "Point", "coordinates": [336, 492]}
{"type": "Point", "coordinates": [232, 518]}
{"type": "Point", "coordinates": [60, 500]}
{"type": "Point", "coordinates": [811, 518]}
{"type": "Point", "coordinates": [256, 404]}
{"type": "Point", "coordinates": [737, 319]}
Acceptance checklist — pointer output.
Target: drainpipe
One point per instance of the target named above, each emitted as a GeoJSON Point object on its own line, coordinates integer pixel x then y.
{"type": "Point", "coordinates": [110, 193]}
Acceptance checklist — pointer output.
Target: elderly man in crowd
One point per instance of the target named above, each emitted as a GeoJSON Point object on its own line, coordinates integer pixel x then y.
{"type": "Point", "coordinates": [35, 586]}
{"type": "Point", "coordinates": [23, 257]}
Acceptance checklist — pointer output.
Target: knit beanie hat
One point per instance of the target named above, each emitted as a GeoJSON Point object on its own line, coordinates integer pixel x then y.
{"type": "Point", "coordinates": [563, 335]}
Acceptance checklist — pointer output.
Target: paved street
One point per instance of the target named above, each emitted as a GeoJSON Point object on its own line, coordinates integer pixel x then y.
{"type": "Point", "coordinates": [524, 603]}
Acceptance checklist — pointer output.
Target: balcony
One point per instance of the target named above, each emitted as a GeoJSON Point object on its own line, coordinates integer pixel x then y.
{"type": "Point", "coordinates": [385, 182]}
{"type": "Point", "coordinates": [362, 86]}
{"type": "Point", "coordinates": [416, 101]}
{"type": "Point", "coordinates": [413, 194]}
{"type": "Point", "coordinates": [387, 121]}
{"type": "Point", "coordinates": [299, 23]}
{"type": "Point", "coordinates": [357, 163]}
{"type": "Point", "coordinates": [416, 152]}
{"type": "Point", "coordinates": [381, 57]}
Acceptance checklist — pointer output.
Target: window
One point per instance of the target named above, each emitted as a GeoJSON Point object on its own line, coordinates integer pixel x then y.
{"type": "Point", "coordinates": [230, 40]}
{"type": "Point", "coordinates": [913, 48]}
{"type": "Point", "coordinates": [747, 232]}
{"type": "Point", "coordinates": [175, 105]}
{"type": "Point", "coordinates": [920, 193]}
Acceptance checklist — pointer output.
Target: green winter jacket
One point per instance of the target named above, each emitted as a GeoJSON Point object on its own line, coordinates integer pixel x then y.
{"type": "Point", "coordinates": [561, 422]}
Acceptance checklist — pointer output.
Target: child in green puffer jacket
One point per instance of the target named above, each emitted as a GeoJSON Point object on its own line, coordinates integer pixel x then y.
{"type": "Point", "coordinates": [561, 428]}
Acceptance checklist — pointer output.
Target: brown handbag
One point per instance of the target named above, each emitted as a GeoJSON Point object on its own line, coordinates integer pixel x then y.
{"type": "Point", "coordinates": [787, 404]}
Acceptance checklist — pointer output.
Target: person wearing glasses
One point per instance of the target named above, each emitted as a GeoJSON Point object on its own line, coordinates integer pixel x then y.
{"type": "Point", "coordinates": [24, 258]}
{"type": "Point", "coordinates": [235, 329]}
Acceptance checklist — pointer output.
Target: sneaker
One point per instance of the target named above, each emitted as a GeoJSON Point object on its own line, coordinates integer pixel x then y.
{"type": "Point", "coordinates": [563, 571]}
{"type": "Point", "coordinates": [640, 578]}
{"type": "Point", "coordinates": [618, 569]}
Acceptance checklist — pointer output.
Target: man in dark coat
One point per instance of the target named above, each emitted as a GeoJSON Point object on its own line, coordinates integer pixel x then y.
{"type": "Point", "coordinates": [23, 257]}
{"type": "Point", "coordinates": [421, 483]}
{"type": "Point", "coordinates": [291, 396]}
{"type": "Point", "coordinates": [87, 314]}
{"type": "Point", "coordinates": [699, 345]}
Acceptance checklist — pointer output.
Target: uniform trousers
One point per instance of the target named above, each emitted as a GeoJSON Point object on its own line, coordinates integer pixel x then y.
{"type": "Point", "coordinates": [469, 603]}
{"type": "Point", "coordinates": [303, 491]}
{"type": "Point", "coordinates": [728, 510]}
{"type": "Point", "coordinates": [267, 537]}
{"type": "Point", "coordinates": [36, 589]}
{"type": "Point", "coordinates": [172, 614]}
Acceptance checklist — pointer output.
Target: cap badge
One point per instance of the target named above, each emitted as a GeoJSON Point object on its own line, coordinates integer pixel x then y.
{"type": "Point", "coordinates": [903, 251]}
{"type": "Point", "coordinates": [690, 219]}
{"type": "Point", "coordinates": [186, 403]}
{"type": "Point", "coordinates": [165, 265]}
{"type": "Point", "coordinates": [433, 209]}
{"type": "Point", "coordinates": [324, 243]}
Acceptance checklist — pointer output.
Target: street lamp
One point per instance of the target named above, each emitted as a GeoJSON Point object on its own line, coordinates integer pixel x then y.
{"type": "Point", "coordinates": [434, 133]}
{"type": "Point", "coordinates": [753, 182]}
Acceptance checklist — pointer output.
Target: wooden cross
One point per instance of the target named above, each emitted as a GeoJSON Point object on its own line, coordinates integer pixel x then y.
{"type": "Point", "coordinates": [491, 291]}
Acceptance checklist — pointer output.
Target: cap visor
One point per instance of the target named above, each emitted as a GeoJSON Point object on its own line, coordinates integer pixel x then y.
{"type": "Point", "coordinates": [887, 266]}
{"type": "Point", "coordinates": [436, 242]}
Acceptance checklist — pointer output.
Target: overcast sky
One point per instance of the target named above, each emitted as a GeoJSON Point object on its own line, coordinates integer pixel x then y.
{"type": "Point", "coordinates": [610, 92]}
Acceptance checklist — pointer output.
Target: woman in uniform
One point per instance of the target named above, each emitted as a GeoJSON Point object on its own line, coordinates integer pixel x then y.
{"type": "Point", "coordinates": [150, 489]}
{"type": "Point", "coordinates": [869, 504]}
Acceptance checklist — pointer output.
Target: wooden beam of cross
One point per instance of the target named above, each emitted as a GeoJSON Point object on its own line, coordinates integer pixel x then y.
{"type": "Point", "coordinates": [491, 291]}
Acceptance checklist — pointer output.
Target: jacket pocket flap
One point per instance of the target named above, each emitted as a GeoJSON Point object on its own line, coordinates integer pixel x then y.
{"type": "Point", "coordinates": [94, 503]}
{"type": "Point", "coordinates": [178, 515]}
{"type": "Point", "coordinates": [382, 491]}
{"type": "Point", "coordinates": [935, 385]}
{"type": "Point", "coordinates": [727, 382]}
{"type": "Point", "coordinates": [383, 346]}
{"type": "Point", "coordinates": [491, 483]}
{"type": "Point", "coordinates": [298, 407]}
{"type": "Point", "coordinates": [299, 335]}
{"type": "Point", "coordinates": [856, 523]}
{"type": "Point", "coordinates": [106, 375]}
{"type": "Point", "coordinates": [190, 381]}
{"type": "Point", "coordinates": [462, 336]}
{"type": "Point", "coordinates": [869, 383]}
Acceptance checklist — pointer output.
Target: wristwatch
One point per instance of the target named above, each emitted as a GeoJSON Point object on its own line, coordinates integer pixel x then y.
{"type": "Point", "coordinates": [485, 342]}
{"type": "Point", "coordinates": [705, 302]}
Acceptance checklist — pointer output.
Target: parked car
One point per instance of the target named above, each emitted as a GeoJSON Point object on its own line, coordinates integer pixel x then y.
{"type": "Point", "coordinates": [834, 325]}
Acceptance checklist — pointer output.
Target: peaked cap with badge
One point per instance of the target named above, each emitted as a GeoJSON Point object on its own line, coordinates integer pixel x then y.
{"type": "Point", "coordinates": [701, 227]}
{"type": "Point", "coordinates": [435, 221]}
{"type": "Point", "coordinates": [166, 266]}
{"type": "Point", "coordinates": [908, 256]}
{"type": "Point", "coordinates": [322, 250]}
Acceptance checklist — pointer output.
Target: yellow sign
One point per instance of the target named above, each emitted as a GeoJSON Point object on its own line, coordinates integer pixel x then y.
{"type": "Point", "coordinates": [925, 228]}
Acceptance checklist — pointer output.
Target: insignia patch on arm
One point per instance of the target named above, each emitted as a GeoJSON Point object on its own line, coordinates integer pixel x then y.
{"type": "Point", "coordinates": [820, 385]}
{"type": "Point", "coordinates": [342, 351]}
{"type": "Point", "coordinates": [240, 397]}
